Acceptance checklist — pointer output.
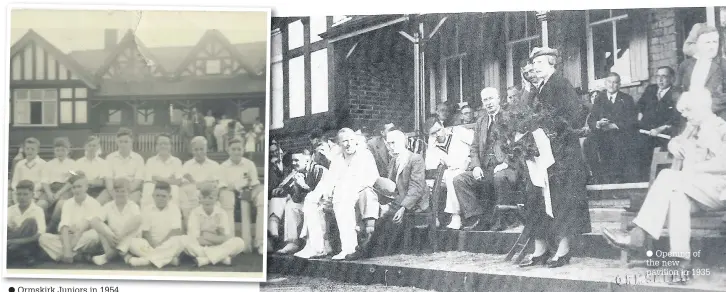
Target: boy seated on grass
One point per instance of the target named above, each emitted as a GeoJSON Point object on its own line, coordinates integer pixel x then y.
{"type": "Point", "coordinates": [26, 222]}
{"type": "Point", "coordinates": [30, 168]}
{"type": "Point", "coordinates": [210, 238]}
{"type": "Point", "coordinates": [76, 240]}
{"type": "Point", "coordinates": [162, 239]}
{"type": "Point", "coordinates": [117, 224]}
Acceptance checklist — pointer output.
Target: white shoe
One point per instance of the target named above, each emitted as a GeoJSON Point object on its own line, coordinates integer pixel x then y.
{"type": "Point", "coordinates": [139, 262]}
{"type": "Point", "coordinates": [202, 261]}
{"type": "Point", "coordinates": [341, 255]}
{"type": "Point", "coordinates": [455, 222]}
{"type": "Point", "coordinates": [305, 253]}
{"type": "Point", "coordinates": [100, 260]}
{"type": "Point", "coordinates": [227, 261]}
{"type": "Point", "coordinates": [289, 248]}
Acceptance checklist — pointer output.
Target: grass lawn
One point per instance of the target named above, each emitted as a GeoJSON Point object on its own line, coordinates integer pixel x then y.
{"type": "Point", "coordinates": [249, 262]}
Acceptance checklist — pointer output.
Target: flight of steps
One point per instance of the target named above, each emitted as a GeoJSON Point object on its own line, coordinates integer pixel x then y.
{"type": "Point", "coordinates": [473, 261]}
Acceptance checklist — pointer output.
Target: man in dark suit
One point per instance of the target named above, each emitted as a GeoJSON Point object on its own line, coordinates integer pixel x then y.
{"type": "Point", "coordinates": [377, 146]}
{"type": "Point", "coordinates": [613, 122]}
{"type": "Point", "coordinates": [402, 191]}
{"type": "Point", "coordinates": [658, 115]}
{"type": "Point", "coordinates": [706, 68]}
{"type": "Point", "coordinates": [489, 179]}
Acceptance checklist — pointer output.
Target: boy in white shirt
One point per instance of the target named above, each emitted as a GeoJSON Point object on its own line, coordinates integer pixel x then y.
{"type": "Point", "coordinates": [26, 222]}
{"type": "Point", "coordinates": [30, 168]}
{"type": "Point", "coordinates": [198, 173]}
{"type": "Point", "coordinates": [210, 238]}
{"type": "Point", "coordinates": [239, 177]}
{"type": "Point", "coordinates": [55, 176]}
{"type": "Point", "coordinates": [95, 168]}
{"type": "Point", "coordinates": [117, 224]}
{"type": "Point", "coordinates": [163, 167]}
{"type": "Point", "coordinates": [162, 239]}
{"type": "Point", "coordinates": [76, 238]}
{"type": "Point", "coordinates": [124, 163]}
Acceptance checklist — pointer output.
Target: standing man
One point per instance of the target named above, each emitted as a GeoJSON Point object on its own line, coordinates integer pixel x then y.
{"type": "Point", "coordinates": [489, 179]}
{"type": "Point", "coordinates": [377, 146]}
{"type": "Point", "coordinates": [124, 163]}
{"type": "Point", "coordinates": [209, 122]}
{"type": "Point", "coordinates": [614, 121]}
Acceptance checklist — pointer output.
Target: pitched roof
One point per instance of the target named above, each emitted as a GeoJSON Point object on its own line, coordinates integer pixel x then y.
{"type": "Point", "coordinates": [213, 34]}
{"type": "Point", "coordinates": [33, 37]}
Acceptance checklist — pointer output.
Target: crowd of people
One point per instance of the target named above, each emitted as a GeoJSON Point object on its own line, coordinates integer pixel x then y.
{"type": "Point", "coordinates": [122, 208]}
{"type": "Point", "coordinates": [369, 186]}
{"type": "Point", "coordinates": [219, 131]}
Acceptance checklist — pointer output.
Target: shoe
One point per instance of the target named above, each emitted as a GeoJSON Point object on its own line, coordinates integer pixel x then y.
{"type": "Point", "coordinates": [477, 225]}
{"type": "Point", "coordinates": [619, 239]}
{"type": "Point", "coordinates": [560, 261]}
{"type": "Point", "coordinates": [536, 261]}
{"type": "Point", "coordinates": [227, 261]}
{"type": "Point", "coordinates": [100, 260]}
{"type": "Point", "coordinates": [304, 253]}
{"type": "Point", "coordinates": [354, 256]}
{"type": "Point", "coordinates": [683, 274]}
{"type": "Point", "coordinates": [139, 262]}
{"type": "Point", "coordinates": [455, 222]}
{"type": "Point", "coordinates": [289, 248]}
{"type": "Point", "coordinates": [342, 255]}
{"type": "Point", "coordinates": [202, 261]}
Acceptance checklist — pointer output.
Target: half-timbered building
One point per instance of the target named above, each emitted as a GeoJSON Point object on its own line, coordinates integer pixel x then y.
{"type": "Point", "coordinates": [127, 84]}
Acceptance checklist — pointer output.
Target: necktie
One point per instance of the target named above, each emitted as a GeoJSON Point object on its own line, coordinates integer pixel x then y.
{"type": "Point", "coordinates": [612, 98]}
{"type": "Point", "coordinates": [394, 170]}
{"type": "Point", "coordinates": [491, 121]}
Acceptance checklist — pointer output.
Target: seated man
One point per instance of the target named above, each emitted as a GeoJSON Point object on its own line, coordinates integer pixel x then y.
{"type": "Point", "coordinates": [30, 168]}
{"type": "Point", "coordinates": [198, 173]}
{"type": "Point", "coordinates": [675, 194]}
{"type": "Point", "coordinates": [490, 181]}
{"type": "Point", "coordinates": [210, 239]}
{"type": "Point", "coordinates": [352, 173]}
{"type": "Point", "coordinates": [451, 148]}
{"type": "Point", "coordinates": [76, 239]}
{"type": "Point", "coordinates": [238, 178]}
{"type": "Point", "coordinates": [124, 163]}
{"type": "Point", "coordinates": [410, 194]}
{"type": "Point", "coordinates": [26, 222]}
{"type": "Point", "coordinates": [162, 239]}
{"type": "Point", "coordinates": [55, 176]}
{"type": "Point", "coordinates": [289, 197]}
{"type": "Point", "coordinates": [117, 223]}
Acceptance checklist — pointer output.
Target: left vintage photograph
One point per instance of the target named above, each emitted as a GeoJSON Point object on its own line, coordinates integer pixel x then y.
{"type": "Point", "coordinates": [137, 143]}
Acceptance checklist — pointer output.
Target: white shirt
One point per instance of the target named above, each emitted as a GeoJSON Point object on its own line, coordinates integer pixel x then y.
{"type": "Point", "coordinates": [220, 129]}
{"type": "Point", "coordinates": [130, 167]}
{"type": "Point", "coordinates": [232, 174]}
{"type": "Point", "coordinates": [206, 171]}
{"type": "Point", "coordinates": [117, 219]}
{"type": "Point", "coordinates": [662, 92]}
{"type": "Point", "coordinates": [155, 166]}
{"type": "Point", "coordinates": [200, 221]}
{"type": "Point", "coordinates": [29, 170]}
{"type": "Point", "coordinates": [160, 222]}
{"type": "Point", "coordinates": [94, 169]}
{"type": "Point", "coordinates": [611, 97]}
{"type": "Point", "coordinates": [209, 120]}
{"type": "Point", "coordinates": [17, 217]}
{"type": "Point", "coordinates": [258, 128]}
{"type": "Point", "coordinates": [76, 215]}
{"type": "Point", "coordinates": [700, 73]}
{"type": "Point", "coordinates": [58, 171]}
{"type": "Point", "coordinates": [349, 175]}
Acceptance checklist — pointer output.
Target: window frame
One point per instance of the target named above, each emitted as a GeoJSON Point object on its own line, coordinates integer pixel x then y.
{"type": "Point", "coordinates": [510, 43]}
{"type": "Point", "coordinates": [73, 100]}
{"type": "Point", "coordinates": [443, 70]}
{"type": "Point", "coordinates": [612, 21]}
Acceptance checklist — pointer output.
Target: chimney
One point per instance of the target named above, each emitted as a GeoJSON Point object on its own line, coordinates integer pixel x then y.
{"type": "Point", "coordinates": [110, 38]}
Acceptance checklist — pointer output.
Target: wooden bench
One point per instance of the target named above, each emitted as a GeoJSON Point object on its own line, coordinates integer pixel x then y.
{"type": "Point", "coordinates": [700, 221]}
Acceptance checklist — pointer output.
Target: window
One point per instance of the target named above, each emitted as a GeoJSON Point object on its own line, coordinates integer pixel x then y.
{"type": "Point", "coordinates": [617, 42]}
{"type": "Point", "coordinates": [451, 65]}
{"type": "Point", "coordinates": [214, 67]}
{"type": "Point", "coordinates": [303, 89]}
{"type": "Point", "coordinates": [36, 107]}
{"type": "Point", "coordinates": [73, 106]}
{"type": "Point", "coordinates": [145, 116]}
{"type": "Point", "coordinates": [523, 32]}
{"type": "Point", "coordinates": [114, 117]}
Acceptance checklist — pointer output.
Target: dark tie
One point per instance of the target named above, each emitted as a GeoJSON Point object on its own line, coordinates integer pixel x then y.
{"type": "Point", "coordinates": [394, 170]}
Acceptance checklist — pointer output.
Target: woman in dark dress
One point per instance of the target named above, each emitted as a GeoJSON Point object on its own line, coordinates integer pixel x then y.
{"type": "Point", "coordinates": [568, 174]}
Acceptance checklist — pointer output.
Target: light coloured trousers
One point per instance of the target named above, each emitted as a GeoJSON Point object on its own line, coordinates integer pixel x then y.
{"type": "Point", "coordinates": [163, 254]}
{"type": "Point", "coordinates": [53, 245]}
{"type": "Point", "coordinates": [230, 248]}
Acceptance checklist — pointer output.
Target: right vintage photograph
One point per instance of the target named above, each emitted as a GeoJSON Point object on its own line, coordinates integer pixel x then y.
{"type": "Point", "coordinates": [579, 150]}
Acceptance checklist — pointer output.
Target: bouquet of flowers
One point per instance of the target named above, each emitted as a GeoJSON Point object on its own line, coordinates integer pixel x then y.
{"type": "Point", "coordinates": [517, 127]}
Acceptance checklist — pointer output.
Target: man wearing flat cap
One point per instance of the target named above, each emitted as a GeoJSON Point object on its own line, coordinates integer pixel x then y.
{"type": "Point", "coordinates": [706, 68]}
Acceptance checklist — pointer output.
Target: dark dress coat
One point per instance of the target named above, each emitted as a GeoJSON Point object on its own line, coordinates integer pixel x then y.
{"type": "Point", "coordinates": [715, 82]}
{"type": "Point", "coordinates": [568, 175]}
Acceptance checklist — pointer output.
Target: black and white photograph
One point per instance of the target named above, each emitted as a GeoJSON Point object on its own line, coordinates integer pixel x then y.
{"type": "Point", "coordinates": [137, 143]}
{"type": "Point", "coordinates": [547, 150]}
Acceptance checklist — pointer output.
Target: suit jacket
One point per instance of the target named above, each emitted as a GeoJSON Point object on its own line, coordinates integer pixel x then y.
{"type": "Point", "coordinates": [486, 152]}
{"type": "Point", "coordinates": [715, 81]}
{"type": "Point", "coordinates": [623, 112]}
{"type": "Point", "coordinates": [412, 191]}
{"type": "Point", "coordinates": [377, 146]}
{"type": "Point", "coordinates": [661, 112]}
{"type": "Point", "coordinates": [563, 100]}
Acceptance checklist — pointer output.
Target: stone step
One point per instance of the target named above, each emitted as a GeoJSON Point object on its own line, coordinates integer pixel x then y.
{"type": "Point", "coordinates": [465, 271]}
